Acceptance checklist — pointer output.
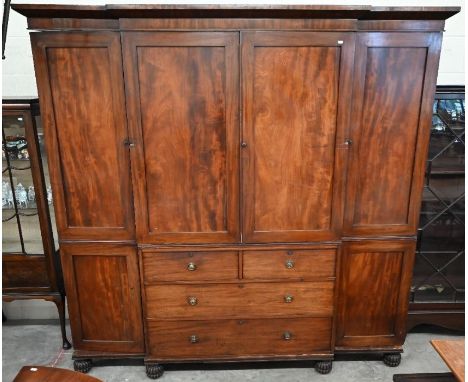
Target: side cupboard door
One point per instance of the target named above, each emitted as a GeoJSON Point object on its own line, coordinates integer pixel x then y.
{"type": "Point", "coordinates": [296, 88]}
{"type": "Point", "coordinates": [182, 102]}
{"type": "Point", "coordinates": [395, 78]}
{"type": "Point", "coordinates": [80, 83]}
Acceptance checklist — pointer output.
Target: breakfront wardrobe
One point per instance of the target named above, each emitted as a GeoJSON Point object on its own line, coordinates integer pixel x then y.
{"type": "Point", "coordinates": [236, 182]}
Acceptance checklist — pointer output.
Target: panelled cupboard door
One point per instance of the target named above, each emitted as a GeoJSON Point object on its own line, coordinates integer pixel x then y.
{"type": "Point", "coordinates": [296, 88]}
{"type": "Point", "coordinates": [80, 84]}
{"type": "Point", "coordinates": [374, 291]}
{"type": "Point", "coordinates": [103, 290]}
{"type": "Point", "coordinates": [182, 100]}
{"type": "Point", "coordinates": [395, 78]}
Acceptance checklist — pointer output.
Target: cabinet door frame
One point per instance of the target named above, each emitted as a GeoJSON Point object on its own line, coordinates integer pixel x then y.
{"type": "Point", "coordinates": [250, 40]}
{"type": "Point", "coordinates": [68, 252]}
{"type": "Point", "coordinates": [230, 41]}
{"type": "Point", "coordinates": [407, 247]}
{"type": "Point", "coordinates": [103, 39]}
{"type": "Point", "coordinates": [366, 40]}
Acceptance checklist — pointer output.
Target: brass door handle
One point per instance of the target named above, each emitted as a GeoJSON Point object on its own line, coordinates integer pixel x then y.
{"type": "Point", "coordinates": [192, 300]}
{"type": "Point", "coordinates": [192, 267]}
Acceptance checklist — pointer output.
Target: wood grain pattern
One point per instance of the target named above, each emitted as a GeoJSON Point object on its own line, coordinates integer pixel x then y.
{"type": "Point", "coordinates": [395, 74]}
{"type": "Point", "coordinates": [273, 264]}
{"type": "Point", "coordinates": [21, 272]}
{"type": "Point", "coordinates": [290, 175]}
{"type": "Point", "coordinates": [374, 290]}
{"type": "Point", "coordinates": [313, 11]}
{"type": "Point", "coordinates": [173, 266]}
{"type": "Point", "coordinates": [453, 354]}
{"type": "Point", "coordinates": [81, 90]}
{"type": "Point", "coordinates": [224, 338]}
{"type": "Point", "coordinates": [51, 374]}
{"type": "Point", "coordinates": [186, 134]}
{"type": "Point", "coordinates": [239, 300]}
{"type": "Point", "coordinates": [102, 282]}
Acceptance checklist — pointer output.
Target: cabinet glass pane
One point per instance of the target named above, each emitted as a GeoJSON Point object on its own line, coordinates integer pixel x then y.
{"type": "Point", "coordinates": [439, 267]}
{"type": "Point", "coordinates": [20, 219]}
{"type": "Point", "coordinates": [45, 168]}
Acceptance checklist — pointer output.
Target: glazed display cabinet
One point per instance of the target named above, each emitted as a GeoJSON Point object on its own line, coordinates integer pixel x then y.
{"type": "Point", "coordinates": [438, 288]}
{"type": "Point", "coordinates": [244, 182]}
{"type": "Point", "coordinates": [31, 266]}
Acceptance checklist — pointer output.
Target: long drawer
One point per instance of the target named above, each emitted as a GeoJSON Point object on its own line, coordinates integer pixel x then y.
{"type": "Point", "coordinates": [190, 266]}
{"type": "Point", "coordinates": [210, 301]}
{"type": "Point", "coordinates": [287, 264]}
{"type": "Point", "coordinates": [224, 338]}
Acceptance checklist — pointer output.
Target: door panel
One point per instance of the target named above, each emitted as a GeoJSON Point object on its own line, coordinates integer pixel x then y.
{"type": "Point", "coordinates": [102, 283]}
{"type": "Point", "coordinates": [294, 127]}
{"type": "Point", "coordinates": [394, 82]}
{"type": "Point", "coordinates": [374, 288]}
{"type": "Point", "coordinates": [183, 113]}
{"type": "Point", "coordinates": [83, 110]}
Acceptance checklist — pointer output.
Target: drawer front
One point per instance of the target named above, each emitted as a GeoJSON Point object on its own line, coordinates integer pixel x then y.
{"type": "Point", "coordinates": [284, 264]}
{"type": "Point", "coordinates": [229, 338]}
{"type": "Point", "coordinates": [190, 266]}
{"type": "Point", "coordinates": [211, 301]}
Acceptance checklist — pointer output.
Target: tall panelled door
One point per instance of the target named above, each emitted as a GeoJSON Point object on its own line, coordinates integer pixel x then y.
{"type": "Point", "coordinates": [236, 183]}
{"type": "Point", "coordinates": [81, 88]}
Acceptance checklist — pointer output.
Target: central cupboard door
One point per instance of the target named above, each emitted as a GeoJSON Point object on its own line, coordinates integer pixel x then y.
{"type": "Point", "coordinates": [296, 88]}
{"type": "Point", "coordinates": [183, 105]}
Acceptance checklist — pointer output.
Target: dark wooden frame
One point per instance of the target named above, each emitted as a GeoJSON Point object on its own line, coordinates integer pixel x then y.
{"type": "Point", "coordinates": [53, 289]}
{"type": "Point", "coordinates": [450, 315]}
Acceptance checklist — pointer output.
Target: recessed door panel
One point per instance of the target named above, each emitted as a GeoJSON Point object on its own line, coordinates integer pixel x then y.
{"type": "Point", "coordinates": [183, 106]}
{"type": "Point", "coordinates": [80, 84]}
{"type": "Point", "coordinates": [103, 290]}
{"type": "Point", "coordinates": [294, 127]}
{"type": "Point", "coordinates": [394, 85]}
{"type": "Point", "coordinates": [374, 287]}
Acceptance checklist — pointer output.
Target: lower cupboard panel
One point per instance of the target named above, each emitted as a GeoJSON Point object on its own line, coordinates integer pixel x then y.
{"type": "Point", "coordinates": [193, 340]}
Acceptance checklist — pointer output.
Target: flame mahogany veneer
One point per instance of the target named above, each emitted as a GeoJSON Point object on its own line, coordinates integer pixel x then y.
{"type": "Point", "coordinates": [236, 182]}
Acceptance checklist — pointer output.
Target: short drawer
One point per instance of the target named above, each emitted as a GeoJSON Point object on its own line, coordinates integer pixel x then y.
{"type": "Point", "coordinates": [190, 266]}
{"type": "Point", "coordinates": [210, 301]}
{"type": "Point", "coordinates": [193, 340]}
{"type": "Point", "coordinates": [284, 264]}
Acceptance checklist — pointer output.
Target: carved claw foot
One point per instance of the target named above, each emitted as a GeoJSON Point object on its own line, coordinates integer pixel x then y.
{"type": "Point", "coordinates": [323, 367]}
{"type": "Point", "coordinates": [82, 365]}
{"type": "Point", "coordinates": [392, 359]}
{"type": "Point", "coordinates": [66, 345]}
{"type": "Point", "coordinates": [154, 370]}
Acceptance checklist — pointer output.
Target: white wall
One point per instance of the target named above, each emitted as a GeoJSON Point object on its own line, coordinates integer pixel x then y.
{"type": "Point", "coordinates": [18, 71]}
{"type": "Point", "coordinates": [18, 77]}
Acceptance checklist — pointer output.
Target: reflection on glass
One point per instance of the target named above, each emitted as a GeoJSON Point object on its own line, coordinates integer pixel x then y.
{"type": "Point", "coordinates": [43, 152]}
{"type": "Point", "coordinates": [20, 219]}
{"type": "Point", "coordinates": [439, 266]}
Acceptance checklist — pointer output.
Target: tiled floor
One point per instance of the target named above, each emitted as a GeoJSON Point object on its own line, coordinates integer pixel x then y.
{"type": "Point", "coordinates": [39, 344]}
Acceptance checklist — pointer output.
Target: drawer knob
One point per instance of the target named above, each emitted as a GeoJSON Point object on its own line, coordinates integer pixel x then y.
{"type": "Point", "coordinates": [289, 264]}
{"type": "Point", "coordinates": [192, 267]}
{"type": "Point", "coordinates": [192, 300]}
{"type": "Point", "coordinates": [193, 339]}
{"type": "Point", "coordinates": [288, 299]}
{"type": "Point", "coordinates": [287, 336]}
